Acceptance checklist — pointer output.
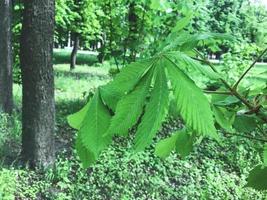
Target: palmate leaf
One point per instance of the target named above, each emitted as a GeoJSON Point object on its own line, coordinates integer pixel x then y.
{"type": "Point", "coordinates": [142, 89]}
{"type": "Point", "coordinates": [130, 107]}
{"type": "Point", "coordinates": [191, 102]}
{"type": "Point", "coordinates": [124, 82]}
{"type": "Point", "coordinates": [90, 140]}
{"type": "Point", "coordinates": [155, 111]}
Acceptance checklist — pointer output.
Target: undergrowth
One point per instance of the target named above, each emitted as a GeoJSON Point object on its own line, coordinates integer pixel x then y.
{"type": "Point", "coordinates": [212, 171]}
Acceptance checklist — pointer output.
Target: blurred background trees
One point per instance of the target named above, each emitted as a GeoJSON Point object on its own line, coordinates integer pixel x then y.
{"type": "Point", "coordinates": [125, 29]}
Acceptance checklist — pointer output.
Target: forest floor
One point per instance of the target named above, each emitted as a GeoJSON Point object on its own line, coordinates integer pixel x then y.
{"type": "Point", "coordinates": [212, 171]}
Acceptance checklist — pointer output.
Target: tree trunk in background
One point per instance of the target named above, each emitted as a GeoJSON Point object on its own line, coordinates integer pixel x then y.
{"type": "Point", "coordinates": [133, 30]}
{"type": "Point", "coordinates": [73, 57]}
{"type": "Point", "coordinates": [5, 56]}
{"type": "Point", "coordinates": [38, 105]}
{"type": "Point", "coordinates": [101, 52]}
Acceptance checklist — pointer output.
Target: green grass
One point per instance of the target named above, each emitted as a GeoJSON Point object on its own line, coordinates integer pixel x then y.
{"type": "Point", "coordinates": [72, 85]}
{"type": "Point", "coordinates": [75, 84]}
{"type": "Point", "coordinates": [7, 184]}
{"type": "Point", "coordinates": [212, 171]}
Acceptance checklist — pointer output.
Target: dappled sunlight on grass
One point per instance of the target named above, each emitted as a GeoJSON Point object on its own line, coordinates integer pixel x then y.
{"type": "Point", "coordinates": [72, 85]}
{"type": "Point", "coordinates": [77, 84]}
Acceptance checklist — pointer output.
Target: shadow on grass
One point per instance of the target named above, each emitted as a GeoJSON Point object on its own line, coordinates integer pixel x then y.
{"type": "Point", "coordinates": [10, 141]}
{"type": "Point", "coordinates": [67, 107]}
{"type": "Point", "coordinates": [80, 75]}
{"type": "Point", "coordinates": [65, 135]}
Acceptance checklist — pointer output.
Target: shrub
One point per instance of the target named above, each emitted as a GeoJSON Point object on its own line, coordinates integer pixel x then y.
{"type": "Point", "coordinates": [10, 132]}
{"type": "Point", "coordinates": [7, 184]}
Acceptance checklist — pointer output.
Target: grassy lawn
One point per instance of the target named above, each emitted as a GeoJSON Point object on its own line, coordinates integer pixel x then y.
{"type": "Point", "coordinates": [72, 85]}
{"type": "Point", "coordinates": [212, 171]}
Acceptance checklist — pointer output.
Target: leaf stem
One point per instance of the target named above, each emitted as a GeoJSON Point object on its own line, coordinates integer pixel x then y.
{"type": "Point", "coordinates": [250, 67]}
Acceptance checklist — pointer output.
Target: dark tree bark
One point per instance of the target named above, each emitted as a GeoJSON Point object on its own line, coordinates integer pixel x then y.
{"type": "Point", "coordinates": [133, 30]}
{"type": "Point", "coordinates": [74, 52]}
{"type": "Point", "coordinates": [38, 105]}
{"type": "Point", "coordinates": [101, 51]}
{"type": "Point", "coordinates": [6, 102]}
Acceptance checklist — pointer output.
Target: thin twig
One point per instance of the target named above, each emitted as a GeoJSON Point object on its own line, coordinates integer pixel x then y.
{"type": "Point", "coordinates": [205, 61]}
{"type": "Point", "coordinates": [246, 136]}
{"type": "Point", "coordinates": [250, 67]}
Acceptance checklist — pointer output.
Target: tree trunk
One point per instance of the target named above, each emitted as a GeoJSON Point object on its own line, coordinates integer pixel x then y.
{"type": "Point", "coordinates": [38, 105]}
{"type": "Point", "coordinates": [5, 56]}
{"type": "Point", "coordinates": [74, 51]}
{"type": "Point", "coordinates": [133, 30]}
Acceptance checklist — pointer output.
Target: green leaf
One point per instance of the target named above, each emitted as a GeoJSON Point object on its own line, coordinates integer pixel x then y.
{"type": "Point", "coordinates": [184, 59]}
{"type": "Point", "coordinates": [155, 4]}
{"type": "Point", "coordinates": [186, 42]}
{"type": "Point", "coordinates": [184, 143]}
{"type": "Point", "coordinates": [124, 82]}
{"type": "Point", "coordinates": [90, 139]}
{"type": "Point", "coordinates": [221, 118]}
{"type": "Point", "coordinates": [86, 156]}
{"type": "Point", "coordinates": [75, 120]}
{"type": "Point", "coordinates": [130, 107]}
{"type": "Point", "coordinates": [191, 102]}
{"type": "Point", "coordinates": [159, 5]}
{"type": "Point", "coordinates": [181, 141]}
{"type": "Point", "coordinates": [258, 178]}
{"type": "Point", "coordinates": [205, 37]}
{"type": "Point", "coordinates": [173, 112]}
{"type": "Point", "coordinates": [245, 123]}
{"type": "Point", "coordinates": [193, 41]}
{"type": "Point", "coordinates": [165, 146]}
{"type": "Point", "coordinates": [182, 23]}
{"type": "Point", "coordinates": [155, 111]}
{"type": "Point", "coordinates": [222, 100]}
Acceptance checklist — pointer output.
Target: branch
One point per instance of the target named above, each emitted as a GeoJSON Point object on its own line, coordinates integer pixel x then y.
{"type": "Point", "coordinates": [246, 136]}
{"type": "Point", "coordinates": [250, 67]}
{"type": "Point", "coordinates": [232, 90]}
